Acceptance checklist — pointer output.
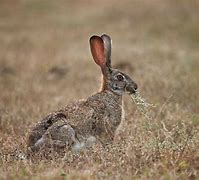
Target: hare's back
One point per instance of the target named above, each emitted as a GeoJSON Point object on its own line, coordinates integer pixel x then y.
{"type": "Point", "coordinates": [82, 112]}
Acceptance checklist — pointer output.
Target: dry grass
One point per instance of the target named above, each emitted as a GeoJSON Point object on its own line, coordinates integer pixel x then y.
{"type": "Point", "coordinates": [45, 63]}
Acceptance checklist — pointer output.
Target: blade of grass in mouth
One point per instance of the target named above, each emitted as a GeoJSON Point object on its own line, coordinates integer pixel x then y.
{"type": "Point", "coordinates": [141, 104]}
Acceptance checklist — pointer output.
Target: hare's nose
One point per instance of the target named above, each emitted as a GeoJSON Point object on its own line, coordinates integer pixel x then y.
{"type": "Point", "coordinates": [135, 87]}
{"type": "Point", "coordinates": [131, 88]}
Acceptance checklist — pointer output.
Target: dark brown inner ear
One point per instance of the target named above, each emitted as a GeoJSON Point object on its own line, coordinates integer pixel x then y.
{"type": "Point", "coordinates": [97, 50]}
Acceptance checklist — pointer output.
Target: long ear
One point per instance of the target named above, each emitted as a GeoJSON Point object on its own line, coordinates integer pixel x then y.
{"type": "Point", "coordinates": [97, 50]}
{"type": "Point", "coordinates": [107, 46]}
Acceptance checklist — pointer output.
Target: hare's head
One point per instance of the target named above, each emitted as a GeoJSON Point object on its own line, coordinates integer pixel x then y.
{"type": "Point", "coordinates": [113, 79]}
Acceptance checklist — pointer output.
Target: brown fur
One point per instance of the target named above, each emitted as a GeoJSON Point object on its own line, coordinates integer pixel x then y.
{"type": "Point", "coordinates": [82, 123]}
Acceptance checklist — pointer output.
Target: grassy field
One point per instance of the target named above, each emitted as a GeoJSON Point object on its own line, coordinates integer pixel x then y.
{"type": "Point", "coordinates": [45, 63]}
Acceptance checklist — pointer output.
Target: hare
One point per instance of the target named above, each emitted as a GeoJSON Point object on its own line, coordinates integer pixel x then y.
{"type": "Point", "coordinates": [83, 123]}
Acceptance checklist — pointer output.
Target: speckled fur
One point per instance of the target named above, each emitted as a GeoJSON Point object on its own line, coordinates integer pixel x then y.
{"type": "Point", "coordinates": [82, 123]}
{"type": "Point", "coordinates": [98, 116]}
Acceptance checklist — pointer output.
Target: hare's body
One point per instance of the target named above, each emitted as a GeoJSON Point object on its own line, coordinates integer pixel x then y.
{"type": "Point", "coordinates": [82, 123]}
{"type": "Point", "coordinates": [74, 126]}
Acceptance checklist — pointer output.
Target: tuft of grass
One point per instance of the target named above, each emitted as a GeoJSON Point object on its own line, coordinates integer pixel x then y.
{"type": "Point", "coordinates": [141, 104]}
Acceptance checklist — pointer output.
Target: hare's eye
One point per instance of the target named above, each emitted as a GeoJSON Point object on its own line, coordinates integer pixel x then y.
{"type": "Point", "coordinates": [120, 77]}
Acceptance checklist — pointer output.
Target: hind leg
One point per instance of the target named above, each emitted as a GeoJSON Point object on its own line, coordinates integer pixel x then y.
{"type": "Point", "coordinates": [35, 138]}
{"type": "Point", "coordinates": [59, 136]}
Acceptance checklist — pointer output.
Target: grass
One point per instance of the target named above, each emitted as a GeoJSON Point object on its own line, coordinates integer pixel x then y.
{"type": "Point", "coordinates": [45, 63]}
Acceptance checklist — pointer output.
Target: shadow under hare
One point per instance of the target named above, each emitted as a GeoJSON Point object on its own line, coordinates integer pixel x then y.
{"type": "Point", "coordinates": [94, 120]}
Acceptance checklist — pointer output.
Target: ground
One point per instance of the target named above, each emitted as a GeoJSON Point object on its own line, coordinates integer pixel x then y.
{"type": "Point", "coordinates": [45, 63]}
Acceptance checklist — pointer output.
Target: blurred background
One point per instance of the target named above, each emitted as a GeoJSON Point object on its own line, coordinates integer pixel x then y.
{"type": "Point", "coordinates": [45, 60]}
